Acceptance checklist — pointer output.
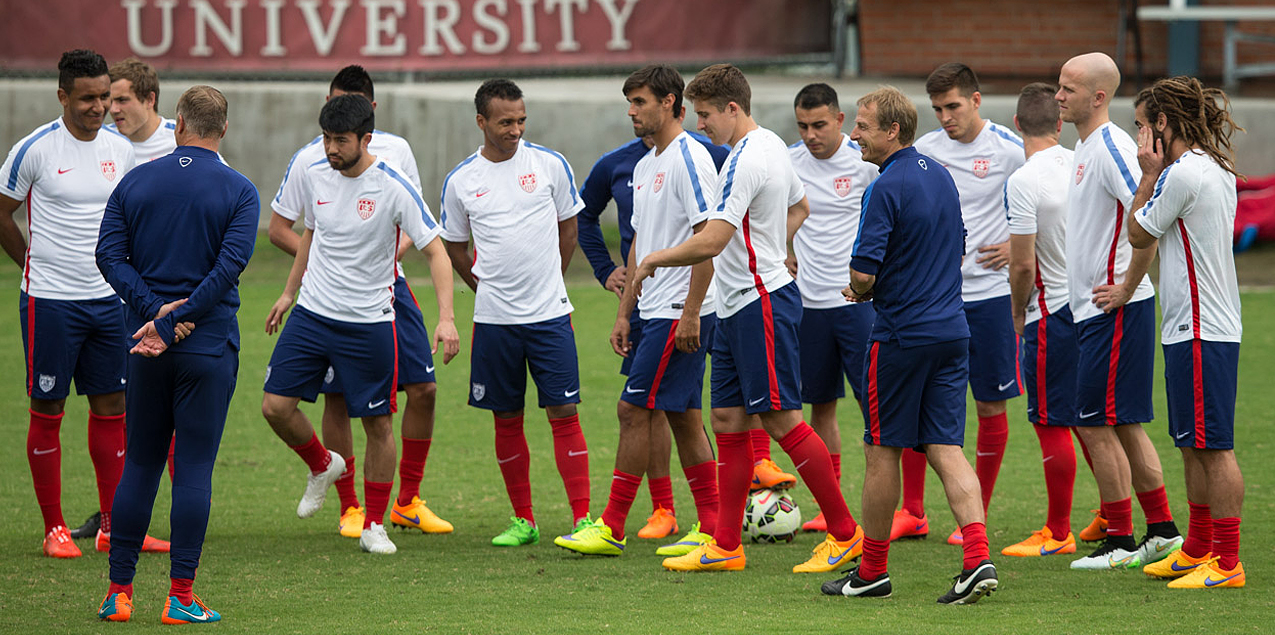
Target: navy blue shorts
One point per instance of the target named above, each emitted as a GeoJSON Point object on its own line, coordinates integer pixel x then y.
{"type": "Point", "coordinates": [363, 354]}
{"type": "Point", "coordinates": [662, 377]}
{"type": "Point", "coordinates": [915, 396]}
{"type": "Point", "coordinates": [1200, 379]}
{"type": "Point", "coordinates": [81, 339]}
{"type": "Point", "coordinates": [993, 350]}
{"type": "Point", "coordinates": [415, 362]}
{"type": "Point", "coordinates": [1049, 369]}
{"type": "Point", "coordinates": [502, 353]}
{"type": "Point", "coordinates": [756, 358]}
{"type": "Point", "coordinates": [1115, 364]}
{"type": "Point", "coordinates": [833, 344]}
{"type": "Point", "coordinates": [636, 323]}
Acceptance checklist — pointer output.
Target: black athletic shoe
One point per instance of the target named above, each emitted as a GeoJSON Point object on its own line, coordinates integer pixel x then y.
{"type": "Point", "coordinates": [972, 584]}
{"type": "Point", "coordinates": [89, 528]}
{"type": "Point", "coordinates": [854, 586]}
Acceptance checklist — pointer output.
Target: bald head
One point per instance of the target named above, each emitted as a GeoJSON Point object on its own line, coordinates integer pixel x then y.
{"type": "Point", "coordinates": [1086, 85]}
{"type": "Point", "coordinates": [1097, 71]}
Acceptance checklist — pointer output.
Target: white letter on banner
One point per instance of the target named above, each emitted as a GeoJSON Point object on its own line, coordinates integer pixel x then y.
{"type": "Point", "coordinates": [492, 23]}
{"type": "Point", "coordinates": [379, 26]}
{"type": "Point", "coordinates": [619, 20]}
{"type": "Point", "coordinates": [274, 47]}
{"type": "Point", "coordinates": [444, 26]}
{"type": "Point", "coordinates": [323, 37]}
{"type": "Point", "coordinates": [206, 18]}
{"type": "Point", "coordinates": [135, 42]}
{"type": "Point", "coordinates": [529, 43]}
{"type": "Point", "coordinates": [568, 21]}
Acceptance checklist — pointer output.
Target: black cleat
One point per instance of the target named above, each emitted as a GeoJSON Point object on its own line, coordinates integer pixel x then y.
{"type": "Point", "coordinates": [89, 528]}
{"type": "Point", "coordinates": [972, 584]}
{"type": "Point", "coordinates": [854, 586]}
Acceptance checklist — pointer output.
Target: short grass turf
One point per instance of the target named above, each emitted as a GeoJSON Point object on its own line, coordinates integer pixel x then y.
{"type": "Point", "coordinates": [267, 571]}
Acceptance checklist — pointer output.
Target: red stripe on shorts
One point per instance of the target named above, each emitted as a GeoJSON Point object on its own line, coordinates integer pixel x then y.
{"type": "Point", "coordinates": [1113, 365]}
{"type": "Point", "coordinates": [767, 319]}
{"type": "Point", "coordinates": [874, 414]}
{"type": "Point", "coordinates": [659, 370]}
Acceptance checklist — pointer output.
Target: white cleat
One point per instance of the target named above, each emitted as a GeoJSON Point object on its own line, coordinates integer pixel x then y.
{"type": "Point", "coordinates": [1157, 548]}
{"type": "Point", "coordinates": [316, 486]}
{"type": "Point", "coordinates": [1108, 557]}
{"type": "Point", "coordinates": [374, 540]}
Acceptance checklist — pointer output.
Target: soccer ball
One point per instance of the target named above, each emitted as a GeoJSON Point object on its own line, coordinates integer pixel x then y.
{"type": "Point", "coordinates": [771, 516]}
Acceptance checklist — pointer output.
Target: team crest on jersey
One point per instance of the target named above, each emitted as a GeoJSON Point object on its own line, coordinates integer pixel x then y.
{"type": "Point", "coordinates": [47, 382]}
{"type": "Point", "coordinates": [982, 167]}
{"type": "Point", "coordinates": [108, 170]}
{"type": "Point", "coordinates": [367, 207]}
{"type": "Point", "coordinates": [1080, 173]}
{"type": "Point", "coordinates": [528, 182]}
{"type": "Point", "coordinates": [659, 182]}
{"type": "Point", "coordinates": [841, 185]}
{"type": "Point", "coordinates": [478, 391]}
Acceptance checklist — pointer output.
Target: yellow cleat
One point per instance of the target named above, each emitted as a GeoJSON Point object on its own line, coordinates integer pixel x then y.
{"type": "Point", "coordinates": [1209, 575]}
{"type": "Point", "coordinates": [1175, 566]}
{"type": "Point", "coordinates": [661, 524]}
{"type": "Point", "coordinates": [832, 554]}
{"type": "Point", "coordinates": [351, 525]}
{"type": "Point", "coordinates": [1041, 543]}
{"type": "Point", "coordinates": [415, 515]}
{"type": "Point", "coordinates": [767, 475]}
{"type": "Point", "coordinates": [708, 557]}
{"type": "Point", "coordinates": [1097, 530]}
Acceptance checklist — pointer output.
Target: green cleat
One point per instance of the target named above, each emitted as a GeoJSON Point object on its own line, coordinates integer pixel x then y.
{"type": "Point", "coordinates": [687, 544]}
{"type": "Point", "coordinates": [583, 524]}
{"type": "Point", "coordinates": [591, 538]}
{"type": "Point", "coordinates": [520, 532]}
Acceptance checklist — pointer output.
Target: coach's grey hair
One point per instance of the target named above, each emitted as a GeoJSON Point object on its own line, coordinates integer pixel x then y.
{"type": "Point", "coordinates": [204, 110]}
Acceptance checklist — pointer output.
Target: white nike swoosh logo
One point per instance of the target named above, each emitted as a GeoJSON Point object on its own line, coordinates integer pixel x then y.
{"type": "Point", "coordinates": [1090, 415]}
{"type": "Point", "coordinates": [802, 464]}
{"type": "Point", "coordinates": [574, 453]}
{"type": "Point", "coordinates": [119, 454]}
{"type": "Point", "coordinates": [39, 452]}
{"type": "Point", "coordinates": [756, 401]}
{"type": "Point", "coordinates": [429, 369]}
{"type": "Point", "coordinates": [633, 392]}
{"type": "Point", "coordinates": [572, 393]}
{"type": "Point", "coordinates": [1046, 459]}
{"type": "Point", "coordinates": [630, 182]}
{"type": "Point", "coordinates": [988, 454]}
{"type": "Point", "coordinates": [377, 404]}
{"type": "Point", "coordinates": [504, 461]}
{"type": "Point", "coordinates": [1183, 435]}
{"type": "Point", "coordinates": [1003, 387]}
{"type": "Point", "coordinates": [197, 618]}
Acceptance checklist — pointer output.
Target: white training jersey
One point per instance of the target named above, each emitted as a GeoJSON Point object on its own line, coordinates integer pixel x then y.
{"type": "Point", "coordinates": [356, 223]}
{"type": "Point", "coordinates": [757, 186]}
{"type": "Point", "coordinates": [512, 208]}
{"type": "Point", "coordinates": [1192, 212]}
{"type": "Point", "coordinates": [834, 189]}
{"type": "Point", "coordinates": [672, 193]}
{"type": "Point", "coordinates": [1103, 184]}
{"type": "Point", "coordinates": [161, 143]}
{"type": "Point", "coordinates": [1036, 203]}
{"type": "Point", "coordinates": [65, 183]}
{"type": "Point", "coordinates": [980, 169]}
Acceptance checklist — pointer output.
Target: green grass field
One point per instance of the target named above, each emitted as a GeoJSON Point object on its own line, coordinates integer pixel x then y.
{"type": "Point", "coordinates": [268, 571]}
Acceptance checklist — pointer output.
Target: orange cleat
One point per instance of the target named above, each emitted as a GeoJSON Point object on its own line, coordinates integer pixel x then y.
{"type": "Point", "coordinates": [708, 557]}
{"type": "Point", "coordinates": [661, 524]}
{"type": "Point", "coordinates": [1097, 530]}
{"type": "Point", "coordinates": [58, 544]}
{"type": "Point", "coordinates": [767, 475]}
{"type": "Point", "coordinates": [150, 544]}
{"type": "Point", "coordinates": [906, 525]}
{"type": "Point", "coordinates": [955, 538]}
{"type": "Point", "coordinates": [818, 523]}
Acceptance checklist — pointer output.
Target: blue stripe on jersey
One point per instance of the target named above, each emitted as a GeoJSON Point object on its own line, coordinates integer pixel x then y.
{"type": "Point", "coordinates": [730, 177]}
{"type": "Point", "coordinates": [690, 168]}
{"type": "Point", "coordinates": [442, 203]}
{"type": "Point", "coordinates": [1159, 186]}
{"type": "Point", "coordinates": [319, 162]}
{"type": "Point", "coordinates": [794, 146]}
{"type": "Point", "coordinates": [1115, 154]}
{"type": "Point", "coordinates": [117, 132]}
{"type": "Point", "coordinates": [1005, 197]}
{"type": "Point", "coordinates": [571, 177]}
{"type": "Point", "coordinates": [288, 172]}
{"type": "Point", "coordinates": [851, 144]}
{"type": "Point", "coordinates": [416, 196]}
{"type": "Point", "coordinates": [22, 152]}
{"type": "Point", "coordinates": [171, 125]}
{"type": "Point", "coordinates": [863, 206]}
{"type": "Point", "coordinates": [1006, 135]}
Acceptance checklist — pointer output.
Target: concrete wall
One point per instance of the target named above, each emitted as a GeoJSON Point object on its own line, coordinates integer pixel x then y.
{"type": "Point", "coordinates": [580, 117]}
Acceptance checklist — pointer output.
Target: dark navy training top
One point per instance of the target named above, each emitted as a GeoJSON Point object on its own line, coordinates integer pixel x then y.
{"type": "Point", "coordinates": [911, 238]}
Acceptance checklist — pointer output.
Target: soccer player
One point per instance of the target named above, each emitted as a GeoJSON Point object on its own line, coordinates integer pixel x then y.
{"type": "Point", "coordinates": [672, 187]}
{"type": "Point", "coordinates": [72, 322]}
{"type": "Point", "coordinates": [415, 362]}
{"type": "Point", "coordinates": [519, 202]}
{"type": "Point", "coordinates": [180, 283]}
{"type": "Point", "coordinates": [834, 334]}
{"type": "Point", "coordinates": [345, 312]}
{"type": "Point", "coordinates": [907, 258]}
{"type": "Point", "coordinates": [979, 155]}
{"type": "Point", "coordinates": [612, 179]}
{"type": "Point", "coordinates": [1112, 304]}
{"type": "Point", "coordinates": [135, 110]}
{"type": "Point", "coordinates": [1036, 203]}
{"type": "Point", "coordinates": [1186, 200]}
{"type": "Point", "coordinates": [760, 205]}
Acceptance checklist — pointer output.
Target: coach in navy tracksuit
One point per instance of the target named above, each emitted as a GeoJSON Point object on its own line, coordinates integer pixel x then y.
{"type": "Point", "coordinates": [176, 234]}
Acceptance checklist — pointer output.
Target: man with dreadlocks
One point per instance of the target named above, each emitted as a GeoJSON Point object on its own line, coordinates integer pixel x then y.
{"type": "Point", "coordinates": [1186, 200]}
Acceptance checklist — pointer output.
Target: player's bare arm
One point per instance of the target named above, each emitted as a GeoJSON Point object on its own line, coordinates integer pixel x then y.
{"type": "Point", "coordinates": [1152, 160]}
{"type": "Point", "coordinates": [860, 287]}
{"type": "Point", "coordinates": [440, 272]}
{"type": "Point", "coordinates": [994, 256]}
{"type": "Point", "coordinates": [686, 337]}
{"type": "Point", "coordinates": [615, 281]}
{"type": "Point", "coordinates": [1110, 297]}
{"type": "Point", "coordinates": [274, 320]}
{"type": "Point", "coordinates": [567, 232]}
{"type": "Point", "coordinates": [281, 234]}
{"type": "Point", "coordinates": [11, 238]}
{"type": "Point", "coordinates": [404, 245]}
{"type": "Point", "coordinates": [462, 262]}
{"type": "Point", "coordinates": [628, 299]}
{"type": "Point", "coordinates": [1022, 275]}
{"type": "Point", "coordinates": [698, 248]}
{"type": "Point", "coordinates": [797, 214]}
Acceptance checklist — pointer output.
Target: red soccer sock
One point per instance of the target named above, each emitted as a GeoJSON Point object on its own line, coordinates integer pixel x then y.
{"type": "Point", "coordinates": [1058, 456]}
{"type": "Point", "coordinates": [624, 488]}
{"type": "Point", "coordinates": [974, 545]}
{"type": "Point", "coordinates": [411, 468]}
{"type": "Point", "coordinates": [759, 441]}
{"type": "Point", "coordinates": [836, 466]}
{"type": "Point", "coordinates": [126, 589]}
{"type": "Point", "coordinates": [345, 487]}
{"type": "Point", "coordinates": [515, 465]}
{"type": "Point", "coordinates": [1155, 506]}
{"type": "Point", "coordinates": [572, 455]}
{"type": "Point", "coordinates": [702, 479]}
{"type": "Point", "coordinates": [377, 496]}
{"type": "Point", "coordinates": [1119, 515]}
{"type": "Point", "coordinates": [1199, 533]}
{"type": "Point", "coordinates": [810, 455]}
{"type": "Point", "coordinates": [914, 482]}
{"type": "Point", "coordinates": [661, 493]}
{"type": "Point", "coordinates": [993, 434]}
{"type": "Point", "coordinates": [876, 555]}
{"type": "Point", "coordinates": [316, 456]}
{"type": "Point", "coordinates": [44, 453]}
{"type": "Point", "coordinates": [106, 449]}
{"type": "Point", "coordinates": [734, 474]}
{"type": "Point", "coordinates": [172, 466]}
{"type": "Point", "coordinates": [1226, 542]}
{"type": "Point", "coordinates": [181, 588]}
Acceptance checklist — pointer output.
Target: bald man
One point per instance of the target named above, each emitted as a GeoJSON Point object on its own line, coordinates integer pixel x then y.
{"type": "Point", "coordinates": [1112, 302]}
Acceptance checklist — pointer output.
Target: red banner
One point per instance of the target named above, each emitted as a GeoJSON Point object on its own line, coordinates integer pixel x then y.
{"type": "Point", "coordinates": [410, 35]}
